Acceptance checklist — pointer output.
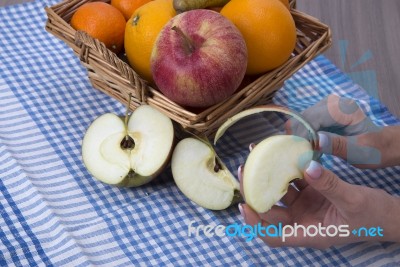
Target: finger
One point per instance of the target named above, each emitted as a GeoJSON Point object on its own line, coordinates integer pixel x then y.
{"type": "Point", "coordinates": [249, 215]}
{"type": "Point", "coordinates": [295, 127]}
{"type": "Point", "coordinates": [290, 196]}
{"type": "Point", "coordinates": [252, 146]}
{"type": "Point", "coordinates": [333, 144]}
{"type": "Point", "coordinates": [315, 115]}
{"type": "Point", "coordinates": [270, 236]}
{"type": "Point", "coordinates": [300, 184]}
{"type": "Point", "coordinates": [295, 236]}
{"type": "Point", "coordinates": [338, 192]}
{"type": "Point", "coordinates": [289, 236]}
{"type": "Point", "coordinates": [253, 218]}
{"type": "Point", "coordinates": [288, 126]}
{"type": "Point", "coordinates": [356, 150]}
{"type": "Point", "coordinates": [240, 176]}
{"type": "Point", "coordinates": [348, 118]}
{"type": "Point", "coordinates": [277, 215]}
{"type": "Point", "coordinates": [334, 114]}
{"type": "Point", "coordinates": [344, 111]}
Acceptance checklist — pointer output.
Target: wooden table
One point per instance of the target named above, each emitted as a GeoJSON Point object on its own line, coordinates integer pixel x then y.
{"type": "Point", "coordinates": [369, 30]}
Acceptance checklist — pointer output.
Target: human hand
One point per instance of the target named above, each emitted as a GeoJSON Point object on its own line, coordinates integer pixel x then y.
{"type": "Point", "coordinates": [323, 198]}
{"type": "Point", "coordinates": [346, 132]}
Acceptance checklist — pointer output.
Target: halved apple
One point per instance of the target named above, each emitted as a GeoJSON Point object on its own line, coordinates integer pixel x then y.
{"type": "Point", "coordinates": [202, 177]}
{"type": "Point", "coordinates": [128, 153]}
{"type": "Point", "coordinates": [271, 166]}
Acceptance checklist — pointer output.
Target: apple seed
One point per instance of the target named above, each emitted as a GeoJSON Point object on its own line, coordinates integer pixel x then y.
{"type": "Point", "coordinates": [127, 143]}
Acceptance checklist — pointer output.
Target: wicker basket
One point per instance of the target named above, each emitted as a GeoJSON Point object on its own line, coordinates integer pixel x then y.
{"type": "Point", "coordinates": [113, 76]}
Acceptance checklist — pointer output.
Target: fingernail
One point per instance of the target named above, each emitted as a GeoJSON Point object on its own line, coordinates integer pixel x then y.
{"type": "Point", "coordinates": [314, 170]}
{"type": "Point", "coordinates": [251, 146]}
{"type": "Point", "coordinates": [241, 210]}
{"type": "Point", "coordinates": [240, 172]}
{"type": "Point", "coordinates": [323, 142]}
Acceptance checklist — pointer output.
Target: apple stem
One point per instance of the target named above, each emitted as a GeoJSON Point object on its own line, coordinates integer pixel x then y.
{"type": "Point", "coordinates": [237, 197]}
{"type": "Point", "coordinates": [188, 44]}
{"type": "Point", "coordinates": [127, 112]}
{"type": "Point", "coordinates": [217, 165]}
{"type": "Point", "coordinates": [127, 142]}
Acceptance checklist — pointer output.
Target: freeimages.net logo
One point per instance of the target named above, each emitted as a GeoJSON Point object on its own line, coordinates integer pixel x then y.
{"type": "Point", "coordinates": [249, 232]}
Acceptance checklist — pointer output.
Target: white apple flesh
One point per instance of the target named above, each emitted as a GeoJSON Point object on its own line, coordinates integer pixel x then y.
{"type": "Point", "coordinates": [274, 162]}
{"type": "Point", "coordinates": [149, 135]}
{"type": "Point", "coordinates": [271, 166]}
{"type": "Point", "coordinates": [201, 177]}
{"type": "Point", "coordinates": [199, 58]}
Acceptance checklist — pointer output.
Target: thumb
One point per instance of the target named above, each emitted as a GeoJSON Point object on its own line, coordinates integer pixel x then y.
{"type": "Point", "coordinates": [356, 150]}
{"type": "Point", "coordinates": [337, 191]}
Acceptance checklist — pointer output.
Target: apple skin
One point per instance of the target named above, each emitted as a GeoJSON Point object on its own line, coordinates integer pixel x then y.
{"type": "Point", "coordinates": [207, 71]}
{"type": "Point", "coordinates": [109, 161]}
{"type": "Point", "coordinates": [193, 166]}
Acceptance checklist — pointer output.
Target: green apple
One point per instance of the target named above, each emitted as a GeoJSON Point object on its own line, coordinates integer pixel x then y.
{"type": "Point", "coordinates": [202, 177]}
{"type": "Point", "coordinates": [129, 153]}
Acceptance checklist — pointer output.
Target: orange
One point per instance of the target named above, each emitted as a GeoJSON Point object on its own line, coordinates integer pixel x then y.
{"type": "Point", "coordinates": [268, 29]}
{"type": "Point", "coordinates": [101, 21]}
{"type": "Point", "coordinates": [141, 32]}
{"type": "Point", "coordinates": [127, 7]}
{"type": "Point", "coordinates": [286, 3]}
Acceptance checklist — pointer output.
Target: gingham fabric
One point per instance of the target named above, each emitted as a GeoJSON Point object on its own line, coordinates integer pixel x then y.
{"type": "Point", "coordinates": [54, 213]}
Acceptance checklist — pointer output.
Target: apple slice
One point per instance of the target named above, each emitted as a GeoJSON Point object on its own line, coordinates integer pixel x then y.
{"type": "Point", "coordinates": [274, 162]}
{"type": "Point", "coordinates": [271, 166]}
{"type": "Point", "coordinates": [128, 153]}
{"type": "Point", "coordinates": [202, 177]}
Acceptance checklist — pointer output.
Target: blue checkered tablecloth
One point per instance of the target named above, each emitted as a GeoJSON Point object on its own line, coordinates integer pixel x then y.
{"type": "Point", "coordinates": [53, 213]}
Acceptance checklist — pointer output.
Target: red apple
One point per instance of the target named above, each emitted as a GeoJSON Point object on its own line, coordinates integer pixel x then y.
{"type": "Point", "coordinates": [199, 58]}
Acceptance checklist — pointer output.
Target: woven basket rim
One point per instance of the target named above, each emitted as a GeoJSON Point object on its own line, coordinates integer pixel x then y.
{"type": "Point", "coordinates": [112, 75]}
